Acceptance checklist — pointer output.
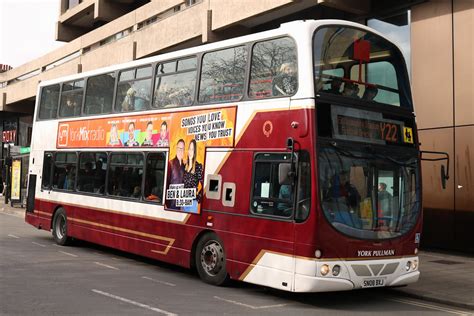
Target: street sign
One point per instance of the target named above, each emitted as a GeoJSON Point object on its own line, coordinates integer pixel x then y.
{"type": "Point", "coordinates": [18, 150]}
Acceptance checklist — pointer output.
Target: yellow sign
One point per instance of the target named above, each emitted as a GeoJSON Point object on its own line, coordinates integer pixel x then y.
{"type": "Point", "coordinates": [408, 135]}
{"type": "Point", "coordinates": [16, 179]}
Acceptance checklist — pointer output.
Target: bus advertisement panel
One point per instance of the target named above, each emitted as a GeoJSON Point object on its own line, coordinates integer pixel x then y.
{"type": "Point", "coordinates": [186, 134]}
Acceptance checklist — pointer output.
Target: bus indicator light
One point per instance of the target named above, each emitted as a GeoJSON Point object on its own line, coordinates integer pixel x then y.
{"type": "Point", "coordinates": [408, 135]}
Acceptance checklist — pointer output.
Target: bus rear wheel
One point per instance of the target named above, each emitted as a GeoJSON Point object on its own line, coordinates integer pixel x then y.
{"type": "Point", "coordinates": [60, 228]}
{"type": "Point", "coordinates": [211, 260]}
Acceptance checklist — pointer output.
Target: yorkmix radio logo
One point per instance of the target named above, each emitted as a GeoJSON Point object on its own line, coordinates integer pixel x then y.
{"type": "Point", "coordinates": [63, 135]}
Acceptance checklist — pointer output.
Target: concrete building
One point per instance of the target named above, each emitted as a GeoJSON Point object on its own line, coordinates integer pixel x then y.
{"type": "Point", "coordinates": [436, 38]}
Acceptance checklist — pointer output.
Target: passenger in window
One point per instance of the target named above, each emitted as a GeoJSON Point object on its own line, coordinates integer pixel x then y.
{"type": "Point", "coordinates": [336, 84]}
{"type": "Point", "coordinates": [69, 178]}
{"type": "Point", "coordinates": [71, 108]}
{"type": "Point", "coordinates": [370, 93]}
{"type": "Point", "coordinates": [284, 194]}
{"type": "Point", "coordinates": [114, 139]}
{"type": "Point", "coordinates": [163, 141]}
{"type": "Point", "coordinates": [141, 100]}
{"type": "Point", "coordinates": [385, 204]}
{"type": "Point", "coordinates": [131, 142]}
{"type": "Point", "coordinates": [137, 192]}
{"type": "Point", "coordinates": [128, 103]}
{"type": "Point", "coordinates": [176, 171]}
{"type": "Point", "coordinates": [99, 176]}
{"type": "Point", "coordinates": [350, 90]}
{"type": "Point", "coordinates": [148, 135]}
{"type": "Point", "coordinates": [192, 176]}
{"type": "Point", "coordinates": [86, 179]}
{"type": "Point", "coordinates": [285, 82]}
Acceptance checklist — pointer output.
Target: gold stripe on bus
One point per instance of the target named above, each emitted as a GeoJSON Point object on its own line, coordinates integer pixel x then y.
{"type": "Point", "coordinates": [184, 221]}
{"type": "Point", "coordinates": [255, 261]}
{"type": "Point", "coordinates": [130, 231]}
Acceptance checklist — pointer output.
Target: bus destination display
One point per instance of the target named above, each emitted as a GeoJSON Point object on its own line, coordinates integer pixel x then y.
{"type": "Point", "coordinates": [366, 126]}
{"type": "Point", "coordinates": [368, 129]}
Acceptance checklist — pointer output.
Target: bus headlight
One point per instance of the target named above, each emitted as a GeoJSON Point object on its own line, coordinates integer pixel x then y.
{"type": "Point", "coordinates": [336, 270]}
{"type": "Point", "coordinates": [324, 269]}
{"type": "Point", "coordinates": [408, 266]}
{"type": "Point", "coordinates": [414, 265]}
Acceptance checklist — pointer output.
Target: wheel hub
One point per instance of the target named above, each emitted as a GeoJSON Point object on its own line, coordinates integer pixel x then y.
{"type": "Point", "coordinates": [212, 258]}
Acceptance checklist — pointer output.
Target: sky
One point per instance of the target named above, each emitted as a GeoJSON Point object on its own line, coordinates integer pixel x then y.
{"type": "Point", "coordinates": [27, 30]}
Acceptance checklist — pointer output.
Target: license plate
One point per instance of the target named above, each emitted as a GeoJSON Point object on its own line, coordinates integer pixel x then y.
{"type": "Point", "coordinates": [373, 282]}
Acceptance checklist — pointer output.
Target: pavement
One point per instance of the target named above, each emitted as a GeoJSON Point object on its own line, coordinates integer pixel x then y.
{"type": "Point", "coordinates": [446, 277]}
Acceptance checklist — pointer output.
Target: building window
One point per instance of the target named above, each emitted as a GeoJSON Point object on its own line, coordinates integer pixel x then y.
{"type": "Point", "coordinates": [397, 29]}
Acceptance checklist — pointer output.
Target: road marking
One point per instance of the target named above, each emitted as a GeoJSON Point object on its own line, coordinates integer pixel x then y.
{"type": "Point", "coordinates": [69, 254]}
{"type": "Point", "coordinates": [161, 311]}
{"type": "Point", "coordinates": [38, 244]}
{"type": "Point", "coordinates": [107, 266]}
{"type": "Point", "coordinates": [13, 236]}
{"type": "Point", "coordinates": [158, 281]}
{"type": "Point", "coordinates": [249, 306]}
{"type": "Point", "coordinates": [430, 306]}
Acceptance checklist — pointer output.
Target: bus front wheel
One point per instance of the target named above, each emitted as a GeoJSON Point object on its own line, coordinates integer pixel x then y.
{"type": "Point", "coordinates": [60, 228]}
{"type": "Point", "coordinates": [211, 260]}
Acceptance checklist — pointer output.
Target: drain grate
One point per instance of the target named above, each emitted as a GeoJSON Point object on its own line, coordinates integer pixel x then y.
{"type": "Point", "coordinates": [446, 262]}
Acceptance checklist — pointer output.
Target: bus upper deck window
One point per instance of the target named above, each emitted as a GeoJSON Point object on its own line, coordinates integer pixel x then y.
{"type": "Point", "coordinates": [49, 102]}
{"type": "Point", "coordinates": [274, 70]}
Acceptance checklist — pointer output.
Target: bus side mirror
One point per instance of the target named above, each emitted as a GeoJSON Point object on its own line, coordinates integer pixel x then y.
{"type": "Point", "coordinates": [444, 171]}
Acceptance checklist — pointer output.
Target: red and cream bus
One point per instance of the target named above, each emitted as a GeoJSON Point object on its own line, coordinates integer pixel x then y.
{"type": "Point", "coordinates": [287, 158]}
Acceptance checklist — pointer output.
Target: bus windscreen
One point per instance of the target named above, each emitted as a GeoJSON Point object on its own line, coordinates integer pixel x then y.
{"type": "Point", "coordinates": [356, 64]}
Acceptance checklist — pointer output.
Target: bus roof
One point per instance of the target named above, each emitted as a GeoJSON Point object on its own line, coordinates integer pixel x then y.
{"type": "Point", "coordinates": [290, 28]}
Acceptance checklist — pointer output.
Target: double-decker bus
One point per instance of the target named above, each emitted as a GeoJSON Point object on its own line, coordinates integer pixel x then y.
{"type": "Point", "coordinates": [287, 158]}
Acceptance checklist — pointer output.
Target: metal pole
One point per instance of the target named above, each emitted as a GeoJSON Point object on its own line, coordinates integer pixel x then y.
{"type": "Point", "coordinates": [7, 174]}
